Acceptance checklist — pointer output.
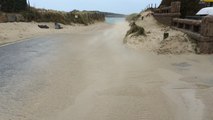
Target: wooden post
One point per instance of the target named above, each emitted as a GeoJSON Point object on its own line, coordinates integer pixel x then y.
{"type": "Point", "coordinates": [206, 26]}
{"type": "Point", "coordinates": [175, 7]}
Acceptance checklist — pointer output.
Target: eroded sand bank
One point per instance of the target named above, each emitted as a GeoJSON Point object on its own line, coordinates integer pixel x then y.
{"type": "Point", "coordinates": [176, 43]}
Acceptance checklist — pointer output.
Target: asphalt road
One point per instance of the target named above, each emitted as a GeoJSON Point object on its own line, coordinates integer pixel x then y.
{"type": "Point", "coordinates": [93, 76]}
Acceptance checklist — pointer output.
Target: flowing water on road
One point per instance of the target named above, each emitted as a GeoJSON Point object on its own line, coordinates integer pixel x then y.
{"type": "Point", "coordinates": [93, 76]}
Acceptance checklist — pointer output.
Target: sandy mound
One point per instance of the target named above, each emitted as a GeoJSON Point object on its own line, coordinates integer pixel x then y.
{"type": "Point", "coordinates": [176, 43]}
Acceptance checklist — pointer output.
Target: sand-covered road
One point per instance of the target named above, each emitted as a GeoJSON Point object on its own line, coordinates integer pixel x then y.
{"type": "Point", "coordinates": [91, 75]}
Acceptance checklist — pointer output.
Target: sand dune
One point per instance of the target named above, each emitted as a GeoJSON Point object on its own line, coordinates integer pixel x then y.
{"type": "Point", "coordinates": [176, 43]}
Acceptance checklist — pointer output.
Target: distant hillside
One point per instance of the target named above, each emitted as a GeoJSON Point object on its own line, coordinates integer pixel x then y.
{"type": "Point", "coordinates": [188, 7]}
{"type": "Point", "coordinates": [108, 14]}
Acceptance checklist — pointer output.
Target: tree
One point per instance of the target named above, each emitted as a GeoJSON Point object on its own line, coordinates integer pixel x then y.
{"type": "Point", "coordinates": [13, 5]}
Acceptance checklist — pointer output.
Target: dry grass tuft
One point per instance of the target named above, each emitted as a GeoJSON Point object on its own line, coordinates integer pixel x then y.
{"type": "Point", "coordinates": [135, 30]}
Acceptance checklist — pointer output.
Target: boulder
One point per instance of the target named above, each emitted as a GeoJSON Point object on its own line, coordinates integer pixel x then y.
{"type": "Point", "coordinates": [43, 26]}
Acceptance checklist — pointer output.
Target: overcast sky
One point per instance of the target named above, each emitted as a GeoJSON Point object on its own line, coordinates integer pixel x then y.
{"type": "Point", "coordinates": [117, 6]}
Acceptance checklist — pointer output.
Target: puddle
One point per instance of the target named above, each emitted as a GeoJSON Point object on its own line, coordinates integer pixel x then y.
{"type": "Point", "coordinates": [182, 64]}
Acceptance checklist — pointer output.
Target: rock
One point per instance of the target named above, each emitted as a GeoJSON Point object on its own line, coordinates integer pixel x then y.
{"type": "Point", "coordinates": [165, 35]}
{"type": "Point", "coordinates": [43, 26]}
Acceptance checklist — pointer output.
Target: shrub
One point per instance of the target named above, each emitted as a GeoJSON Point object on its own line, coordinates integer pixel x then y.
{"type": "Point", "coordinates": [42, 15]}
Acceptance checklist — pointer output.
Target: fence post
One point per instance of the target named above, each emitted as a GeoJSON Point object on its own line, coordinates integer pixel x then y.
{"type": "Point", "coordinates": [175, 7]}
{"type": "Point", "coordinates": [205, 44]}
{"type": "Point", "coordinates": [206, 26]}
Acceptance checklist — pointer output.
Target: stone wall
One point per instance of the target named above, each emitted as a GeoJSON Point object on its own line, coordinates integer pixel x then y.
{"type": "Point", "coordinates": [10, 17]}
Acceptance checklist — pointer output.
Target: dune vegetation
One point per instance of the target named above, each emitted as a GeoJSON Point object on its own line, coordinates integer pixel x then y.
{"type": "Point", "coordinates": [132, 17]}
{"type": "Point", "coordinates": [79, 17]}
{"type": "Point", "coordinates": [43, 15]}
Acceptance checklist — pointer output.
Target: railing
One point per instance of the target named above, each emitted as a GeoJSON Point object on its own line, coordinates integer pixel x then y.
{"type": "Point", "coordinates": [200, 30]}
{"type": "Point", "coordinates": [195, 17]}
{"type": "Point", "coordinates": [187, 24]}
{"type": "Point", "coordinates": [163, 10]}
{"type": "Point", "coordinates": [165, 14]}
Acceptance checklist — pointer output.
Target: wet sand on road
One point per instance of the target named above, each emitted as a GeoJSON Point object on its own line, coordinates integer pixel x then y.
{"type": "Point", "coordinates": [93, 76]}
